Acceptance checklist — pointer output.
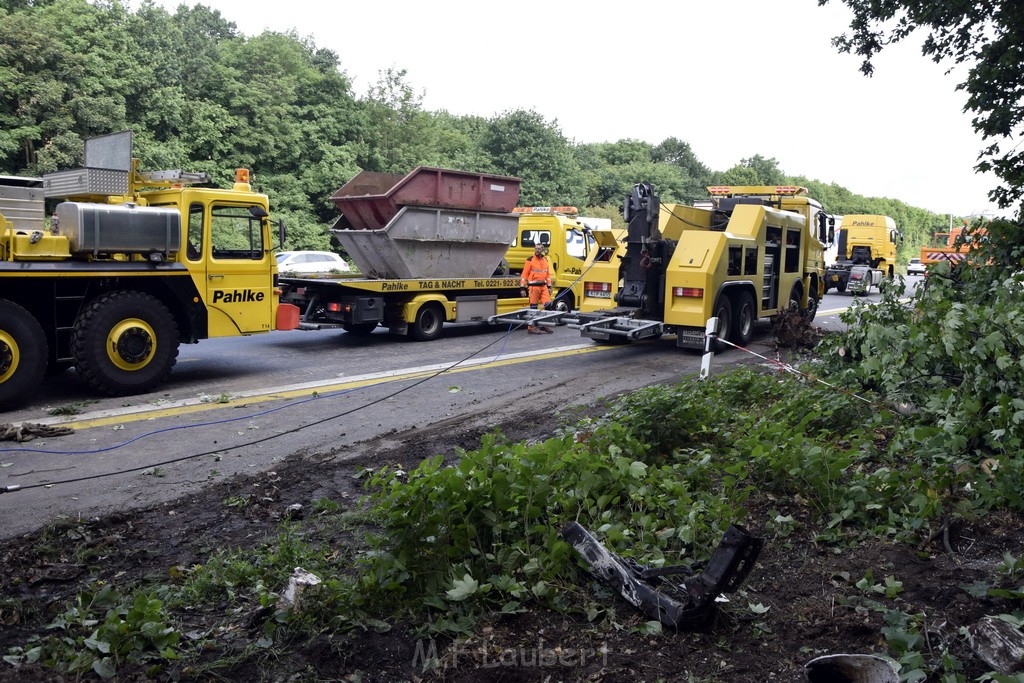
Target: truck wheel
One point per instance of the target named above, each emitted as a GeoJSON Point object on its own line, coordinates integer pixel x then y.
{"type": "Point", "coordinates": [564, 303]}
{"type": "Point", "coordinates": [428, 323]}
{"type": "Point", "coordinates": [841, 287]}
{"type": "Point", "coordinates": [125, 343]}
{"type": "Point", "coordinates": [361, 329]}
{"type": "Point", "coordinates": [794, 300]}
{"type": "Point", "coordinates": [503, 269]}
{"type": "Point", "coordinates": [23, 353]}
{"type": "Point", "coordinates": [744, 316]}
{"type": "Point", "coordinates": [723, 311]}
{"type": "Point", "coordinates": [812, 307]}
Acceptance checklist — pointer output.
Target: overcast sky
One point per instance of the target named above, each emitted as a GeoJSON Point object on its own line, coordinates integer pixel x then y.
{"type": "Point", "coordinates": [734, 78]}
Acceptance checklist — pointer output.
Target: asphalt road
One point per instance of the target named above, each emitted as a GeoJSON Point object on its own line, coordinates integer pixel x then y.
{"type": "Point", "coordinates": [241, 405]}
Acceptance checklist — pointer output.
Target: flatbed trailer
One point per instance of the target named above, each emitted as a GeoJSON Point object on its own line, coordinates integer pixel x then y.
{"type": "Point", "coordinates": [418, 307]}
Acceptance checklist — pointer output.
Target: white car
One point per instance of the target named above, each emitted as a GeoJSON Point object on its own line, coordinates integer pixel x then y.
{"type": "Point", "coordinates": [915, 267]}
{"type": "Point", "coordinates": [307, 262]}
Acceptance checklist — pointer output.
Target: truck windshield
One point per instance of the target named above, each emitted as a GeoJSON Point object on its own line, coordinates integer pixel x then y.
{"type": "Point", "coordinates": [236, 233]}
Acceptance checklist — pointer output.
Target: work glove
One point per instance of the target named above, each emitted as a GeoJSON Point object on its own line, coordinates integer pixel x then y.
{"type": "Point", "coordinates": [522, 292]}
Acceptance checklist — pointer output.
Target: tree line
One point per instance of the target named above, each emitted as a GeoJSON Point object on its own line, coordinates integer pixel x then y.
{"type": "Point", "coordinates": [201, 96]}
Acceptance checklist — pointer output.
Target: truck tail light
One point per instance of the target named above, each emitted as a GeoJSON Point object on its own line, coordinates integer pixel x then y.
{"type": "Point", "coordinates": [600, 290]}
{"type": "Point", "coordinates": [696, 292]}
{"type": "Point", "coordinates": [335, 307]}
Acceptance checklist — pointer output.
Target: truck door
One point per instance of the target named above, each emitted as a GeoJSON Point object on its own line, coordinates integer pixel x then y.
{"type": "Point", "coordinates": [238, 266]}
{"type": "Point", "coordinates": [577, 246]}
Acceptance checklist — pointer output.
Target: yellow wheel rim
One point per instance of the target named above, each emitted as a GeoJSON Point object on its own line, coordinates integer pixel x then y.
{"type": "Point", "coordinates": [131, 344]}
{"type": "Point", "coordinates": [10, 356]}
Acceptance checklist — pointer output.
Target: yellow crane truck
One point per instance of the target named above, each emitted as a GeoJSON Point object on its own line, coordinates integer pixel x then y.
{"type": "Point", "coordinates": [132, 265]}
{"type": "Point", "coordinates": [866, 253]}
{"type": "Point", "coordinates": [755, 252]}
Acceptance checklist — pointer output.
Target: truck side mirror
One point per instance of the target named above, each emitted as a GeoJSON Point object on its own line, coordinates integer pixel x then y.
{"type": "Point", "coordinates": [280, 233]}
{"type": "Point", "coordinates": [826, 228]}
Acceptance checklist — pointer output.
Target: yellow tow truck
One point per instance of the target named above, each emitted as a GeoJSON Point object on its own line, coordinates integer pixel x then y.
{"type": "Point", "coordinates": [754, 252]}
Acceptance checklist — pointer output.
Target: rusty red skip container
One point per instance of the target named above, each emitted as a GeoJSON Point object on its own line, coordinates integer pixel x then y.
{"type": "Point", "coordinates": [370, 200]}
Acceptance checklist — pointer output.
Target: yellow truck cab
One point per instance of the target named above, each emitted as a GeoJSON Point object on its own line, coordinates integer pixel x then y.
{"type": "Point", "coordinates": [567, 241]}
{"type": "Point", "coordinates": [866, 252]}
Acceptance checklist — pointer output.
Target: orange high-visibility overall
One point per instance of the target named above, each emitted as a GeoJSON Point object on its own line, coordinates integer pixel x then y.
{"type": "Point", "coordinates": [537, 277]}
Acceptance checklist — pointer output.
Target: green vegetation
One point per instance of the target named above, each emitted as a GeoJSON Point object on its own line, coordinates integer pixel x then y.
{"type": "Point", "coordinates": [659, 476]}
{"type": "Point", "coordinates": [73, 408]}
{"type": "Point", "coordinates": [953, 355]}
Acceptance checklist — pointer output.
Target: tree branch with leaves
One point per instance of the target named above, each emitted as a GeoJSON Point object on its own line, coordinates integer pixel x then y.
{"type": "Point", "coordinates": [986, 36]}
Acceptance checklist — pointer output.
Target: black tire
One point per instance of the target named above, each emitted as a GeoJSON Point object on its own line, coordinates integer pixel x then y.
{"type": "Point", "coordinates": [723, 311]}
{"type": "Point", "coordinates": [361, 329]}
{"type": "Point", "coordinates": [428, 323]}
{"type": "Point", "coordinates": [841, 287]}
{"type": "Point", "coordinates": [794, 299]}
{"type": "Point", "coordinates": [565, 302]}
{"type": "Point", "coordinates": [125, 343]}
{"type": "Point", "coordinates": [503, 269]}
{"type": "Point", "coordinates": [23, 354]}
{"type": "Point", "coordinates": [812, 307]}
{"type": "Point", "coordinates": [744, 315]}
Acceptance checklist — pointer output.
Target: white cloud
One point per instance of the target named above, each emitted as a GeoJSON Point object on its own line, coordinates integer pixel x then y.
{"type": "Point", "coordinates": [733, 78]}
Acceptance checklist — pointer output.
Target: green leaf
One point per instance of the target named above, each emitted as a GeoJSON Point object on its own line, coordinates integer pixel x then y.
{"type": "Point", "coordinates": [463, 588]}
{"type": "Point", "coordinates": [650, 628]}
{"type": "Point", "coordinates": [105, 668]}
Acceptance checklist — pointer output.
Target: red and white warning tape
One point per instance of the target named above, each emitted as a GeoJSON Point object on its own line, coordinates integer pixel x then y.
{"type": "Point", "coordinates": [786, 367]}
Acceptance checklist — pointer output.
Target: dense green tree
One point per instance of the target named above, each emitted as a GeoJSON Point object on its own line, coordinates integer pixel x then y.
{"type": "Point", "coordinates": [985, 35]}
{"type": "Point", "coordinates": [460, 142]}
{"type": "Point", "coordinates": [613, 168]}
{"type": "Point", "coordinates": [398, 135]}
{"type": "Point", "coordinates": [755, 170]}
{"type": "Point", "coordinates": [199, 95]}
{"type": "Point", "coordinates": [679, 153]}
{"type": "Point", "coordinates": [66, 70]}
{"type": "Point", "coordinates": [521, 143]}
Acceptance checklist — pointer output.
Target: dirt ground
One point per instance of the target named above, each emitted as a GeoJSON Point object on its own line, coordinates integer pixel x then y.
{"type": "Point", "coordinates": [813, 605]}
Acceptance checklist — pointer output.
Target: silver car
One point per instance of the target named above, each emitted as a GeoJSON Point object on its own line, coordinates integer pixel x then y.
{"type": "Point", "coordinates": [306, 262]}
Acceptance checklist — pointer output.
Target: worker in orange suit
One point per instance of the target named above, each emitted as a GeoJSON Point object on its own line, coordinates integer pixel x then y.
{"type": "Point", "coordinates": [537, 278]}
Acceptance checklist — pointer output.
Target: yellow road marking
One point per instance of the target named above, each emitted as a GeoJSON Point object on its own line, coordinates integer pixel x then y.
{"type": "Point", "coordinates": [242, 400]}
{"type": "Point", "coordinates": [245, 398]}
